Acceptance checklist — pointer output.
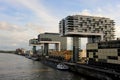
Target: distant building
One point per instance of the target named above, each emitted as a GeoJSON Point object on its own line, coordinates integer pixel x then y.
{"type": "Point", "coordinates": [95, 28]}
{"type": "Point", "coordinates": [33, 41]}
{"type": "Point", "coordinates": [82, 54]}
{"type": "Point", "coordinates": [54, 37]}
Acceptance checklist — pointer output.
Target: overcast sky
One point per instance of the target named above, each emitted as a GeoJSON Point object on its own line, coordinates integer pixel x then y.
{"type": "Point", "coordinates": [21, 20]}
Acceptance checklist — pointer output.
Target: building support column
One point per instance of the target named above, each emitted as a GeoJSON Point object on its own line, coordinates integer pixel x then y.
{"type": "Point", "coordinates": [42, 50]}
{"type": "Point", "coordinates": [46, 47]}
{"type": "Point", "coordinates": [57, 46]}
{"type": "Point", "coordinates": [34, 50]}
{"type": "Point", "coordinates": [75, 49]}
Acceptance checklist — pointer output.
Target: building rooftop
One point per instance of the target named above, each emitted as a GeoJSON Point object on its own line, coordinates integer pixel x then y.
{"type": "Point", "coordinates": [51, 33]}
{"type": "Point", "coordinates": [88, 16]}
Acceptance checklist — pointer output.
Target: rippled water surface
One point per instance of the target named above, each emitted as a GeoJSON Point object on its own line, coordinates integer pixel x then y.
{"type": "Point", "coordinates": [15, 67]}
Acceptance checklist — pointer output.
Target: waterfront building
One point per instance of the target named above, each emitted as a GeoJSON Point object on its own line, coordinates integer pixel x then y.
{"type": "Point", "coordinates": [33, 41]}
{"type": "Point", "coordinates": [95, 28]}
{"type": "Point", "coordinates": [44, 39]}
{"type": "Point", "coordinates": [104, 54]}
{"type": "Point", "coordinates": [54, 37]}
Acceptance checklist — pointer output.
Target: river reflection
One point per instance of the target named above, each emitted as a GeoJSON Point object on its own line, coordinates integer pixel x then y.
{"type": "Point", "coordinates": [15, 67]}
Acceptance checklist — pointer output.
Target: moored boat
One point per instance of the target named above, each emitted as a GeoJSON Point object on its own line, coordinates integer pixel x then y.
{"type": "Point", "coordinates": [35, 58]}
{"type": "Point", "coordinates": [62, 66]}
{"type": "Point", "coordinates": [28, 56]}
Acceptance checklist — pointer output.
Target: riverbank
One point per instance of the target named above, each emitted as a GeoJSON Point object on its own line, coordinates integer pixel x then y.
{"type": "Point", "coordinates": [3, 51]}
{"type": "Point", "coordinates": [87, 70]}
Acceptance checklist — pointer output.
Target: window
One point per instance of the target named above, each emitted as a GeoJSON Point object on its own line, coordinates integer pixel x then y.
{"type": "Point", "coordinates": [113, 57]}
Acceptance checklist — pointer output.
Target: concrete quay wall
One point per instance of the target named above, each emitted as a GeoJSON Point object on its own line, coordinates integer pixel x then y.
{"type": "Point", "coordinates": [86, 70]}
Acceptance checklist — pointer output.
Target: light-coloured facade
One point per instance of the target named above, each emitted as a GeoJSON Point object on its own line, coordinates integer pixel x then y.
{"type": "Point", "coordinates": [104, 52]}
{"type": "Point", "coordinates": [95, 28]}
{"type": "Point", "coordinates": [54, 37]}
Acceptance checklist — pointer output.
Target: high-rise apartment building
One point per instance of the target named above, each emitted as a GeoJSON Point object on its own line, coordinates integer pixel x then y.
{"type": "Point", "coordinates": [95, 28]}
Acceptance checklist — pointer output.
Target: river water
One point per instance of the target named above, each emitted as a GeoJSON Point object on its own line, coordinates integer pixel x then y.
{"type": "Point", "coordinates": [15, 67]}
